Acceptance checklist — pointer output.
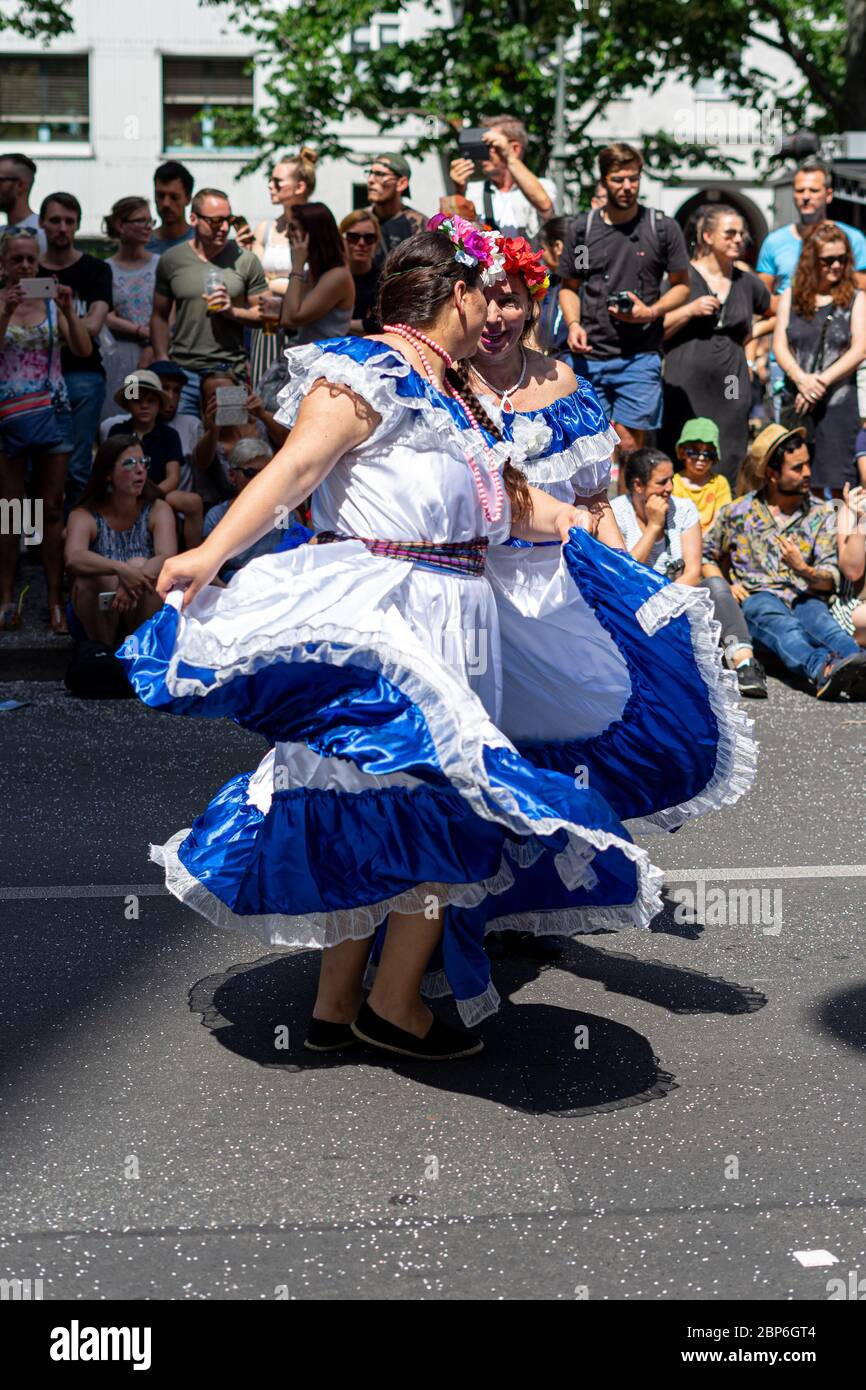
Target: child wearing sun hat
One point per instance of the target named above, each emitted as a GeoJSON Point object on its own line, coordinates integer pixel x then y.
{"type": "Point", "coordinates": [696, 477]}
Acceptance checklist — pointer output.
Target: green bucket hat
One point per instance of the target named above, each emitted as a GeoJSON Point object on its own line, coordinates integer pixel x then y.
{"type": "Point", "coordinates": [700, 431]}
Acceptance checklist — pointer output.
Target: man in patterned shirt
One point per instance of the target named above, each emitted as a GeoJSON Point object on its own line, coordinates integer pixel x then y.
{"type": "Point", "coordinates": [778, 549]}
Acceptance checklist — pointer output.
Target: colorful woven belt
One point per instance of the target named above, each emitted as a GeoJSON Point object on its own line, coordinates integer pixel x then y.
{"type": "Point", "coordinates": [454, 557]}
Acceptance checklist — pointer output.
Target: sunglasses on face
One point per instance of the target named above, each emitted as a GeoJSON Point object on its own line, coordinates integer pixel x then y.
{"type": "Point", "coordinates": [700, 454]}
{"type": "Point", "coordinates": [276, 183]}
{"type": "Point", "coordinates": [832, 260]}
{"type": "Point", "coordinates": [130, 464]}
{"type": "Point", "coordinates": [215, 222]}
{"type": "Point", "coordinates": [248, 472]}
{"type": "Point", "coordinates": [356, 238]}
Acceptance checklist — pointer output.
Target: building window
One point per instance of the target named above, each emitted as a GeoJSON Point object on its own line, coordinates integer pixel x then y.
{"type": "Point", "coordinates": [44, 98]}
{"type": "Point", "coordinates": [191, 89]}
{"type": "Point", "coordinates": [382, 29]}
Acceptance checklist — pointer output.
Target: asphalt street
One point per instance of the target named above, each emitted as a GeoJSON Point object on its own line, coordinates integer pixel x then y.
{"type": "Point", "coordinates": [156, 1144]}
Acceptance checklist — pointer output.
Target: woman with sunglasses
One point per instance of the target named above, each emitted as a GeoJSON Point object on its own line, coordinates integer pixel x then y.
{"type": "Point", "coordinates": [820, 341]}
{"type": "Point", "coordinates": [706, 372]}
{"type": "Point", "coordinates": [292, 181]}
{"type": "Point", "coordinates": [115, 540]}
{"type": "Point", "coordinates": [133, 277]}
{"type": "Point", "coordinates": [363, 240]}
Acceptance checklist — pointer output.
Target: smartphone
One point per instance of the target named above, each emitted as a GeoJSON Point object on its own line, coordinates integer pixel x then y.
{"type": "Point", "coordinates": [240, 223]}
{"type": "Point", "coordinates": [39, 288]}
{"type": "Point", "coordinates": [231, 405]}
{"type": "Point", "coordinates": [106, 599]}
{"type": "Point", "coordinates": [472, 144]}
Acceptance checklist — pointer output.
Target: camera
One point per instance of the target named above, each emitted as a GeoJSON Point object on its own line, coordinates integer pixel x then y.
{"type": "Point", "coordinates": [673, 568]}
{"type": "Point", "coordinates": [621, 301]}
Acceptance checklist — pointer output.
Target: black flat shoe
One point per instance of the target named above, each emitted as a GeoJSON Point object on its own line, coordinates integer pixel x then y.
{"type": "Point", "coordinates": [526, 943]}
{"type": "Point", "coordinates": [328, 1037]}
{"type": "Point", "coordinates": [440, 1043]}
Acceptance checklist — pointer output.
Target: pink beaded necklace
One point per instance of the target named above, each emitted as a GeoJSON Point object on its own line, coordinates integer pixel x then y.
{"type": "Point", "coordinates": [419, 341]}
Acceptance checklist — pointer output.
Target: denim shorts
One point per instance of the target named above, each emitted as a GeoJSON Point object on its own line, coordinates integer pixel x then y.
{"type": "Point", "coordinates": [64, 425]}
{"type": "Point", "coordinates": [629, 388]}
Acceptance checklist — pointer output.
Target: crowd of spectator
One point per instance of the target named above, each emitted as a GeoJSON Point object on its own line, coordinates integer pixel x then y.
{"type": "Point", "coordinates": [138, 392]}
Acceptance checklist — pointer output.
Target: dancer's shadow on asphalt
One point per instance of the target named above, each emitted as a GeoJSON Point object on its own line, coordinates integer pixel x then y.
{"type": "Point", "coordinates": [843, 1015]}
{"type": "Point", "coordinates": [538, 1057]}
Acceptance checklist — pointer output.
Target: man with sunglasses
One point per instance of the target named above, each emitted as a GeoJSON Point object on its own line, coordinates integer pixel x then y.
{"type": "Point", "coordinates": [778, 549]}
{"type": "Point", "coordinates": [387, 181]}
{"type": "Point", "coordinates": [209, 323]}
{"type": "Point", "coordinates": [17, 173]}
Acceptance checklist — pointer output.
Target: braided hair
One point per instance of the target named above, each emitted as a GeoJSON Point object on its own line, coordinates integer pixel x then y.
{"type": "Point", "coordinates": [514, 479]}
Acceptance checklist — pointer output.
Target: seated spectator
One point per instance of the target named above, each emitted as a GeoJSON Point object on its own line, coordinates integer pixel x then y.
{"type": "Point", "coordinates": [133, 276]}
{"type": "Point", "coordinates": [116, 540]}
{"type": "Point", "coordinates": [211, 454]}
{"type": "Point", "coordinates": [697, 477]}
{"type": "Point", "coordinates": [664, 531]}
{"type": "Point", "coordinates": [387, 181]}
{"type": "Point", "coordinates": [509, 197]}
{"type": "Point", "coordinates": [551, 332]}
{"type": "Point", "coordinates": [778, 547]}
{"type": "Point", "coordinates": [362, 237]}
{"type": "Point", "coordinates": [660, 530]}
{"type": "Point", "coordinates": [847, 607]}
{"type": "Point", "coordinates": [321, 294]}
{"type": "Point", "coordinates": [35, 415]}
{"type": "Point", "coordinates": [247, 459]}
{"type": "Point", "coordinates": [144, 398]}
{"type": "Point", "coordinates": [172, 191]}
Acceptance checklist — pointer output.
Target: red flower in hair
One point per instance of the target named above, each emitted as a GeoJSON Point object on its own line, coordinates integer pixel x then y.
{"type": "Point", "coordinates": [520, 259]}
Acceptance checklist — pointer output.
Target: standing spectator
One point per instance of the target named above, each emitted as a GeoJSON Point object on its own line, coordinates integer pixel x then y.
{"type": "Point", "coordinates": [509, 197]}
{"type": "Point", "coordinates": [387, 181]}
{"type": "Point", "coordinates": [117, 539]}
{"type": "Point", "coordinates": [90, 281]}
{"type": "Point", "coordinates": [209, 324]}
{"type": "Point", "coordinates": [819, 342]}
{"type": "Point", "coordinates": [144, 398]}
{"type": "Point", "coordinates": [172, 190]}
{"type": "Point", "coordinates": [551, 334]}
{"type": "Point", "coordinates": [35, 418]}
{"type": "Point", "coordinates": [211, 456]}
{"type": "Point", "coordinates": [292, 181]}
{"type": "Point", "coordinates": [780, 251]}
{"type": "Point", "coordinates": [623, 249]}
{"type": "Point", "coordinates": [133, 276]}
{"type": "Point", "coordinates": [363, 239]}
{"type": "Point", "coordinates": [17, 173]}
{"type": "Point", "coordinates": [779, 550]}
{"type": "Point", "coordinates": [321, 293]}
{"type": "Point", "coordinates": [247, 459]}
{"type": "Point", "coordinates": [706, 372]}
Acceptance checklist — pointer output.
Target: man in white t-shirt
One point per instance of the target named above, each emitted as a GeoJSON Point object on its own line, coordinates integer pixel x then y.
{"type": "Point", "coordinates": [17, 172]}
{"type": "Point", "coordinates": [509, 197]}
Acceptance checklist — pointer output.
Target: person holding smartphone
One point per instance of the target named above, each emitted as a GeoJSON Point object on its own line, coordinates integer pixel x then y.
{"type": "Point", "coordinates": [507, 196]}
{"type": "Point", "coordinates": [211, 454]}
{"type": "Point", "coordinates": [35, 414]}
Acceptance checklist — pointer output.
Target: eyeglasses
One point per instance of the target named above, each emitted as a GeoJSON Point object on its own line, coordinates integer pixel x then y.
{"type": "Point", "coordinates": [140, 222]}
{"type": "Point", "coordinates": [382, 175]}
{"type": "Point", "coordinates": [135, 463]}
{"type": "Point", "coordinates": [368, 238]}
{"type": "Point", "coordinates": [833, 260]}
{"type": "Point", "coordinates": [276, 183]}
{"type": "Point", "coordinates": [214, 222]}
{"type": "Point", "coordinates": [700, 453]}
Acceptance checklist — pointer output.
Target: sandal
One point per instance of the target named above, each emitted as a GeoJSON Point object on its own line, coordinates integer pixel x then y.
{"type": "Point", "coordinates": [57, 620]}
{"type": "Point", "coordinates": [10, 613]}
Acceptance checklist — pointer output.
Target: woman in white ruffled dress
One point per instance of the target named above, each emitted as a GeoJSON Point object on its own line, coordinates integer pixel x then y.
{"type": "Point", "coordinates": [391, 804]}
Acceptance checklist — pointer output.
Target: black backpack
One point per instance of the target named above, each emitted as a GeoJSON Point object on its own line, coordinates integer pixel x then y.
{"type": "Point", "coordinates": [95, 673]}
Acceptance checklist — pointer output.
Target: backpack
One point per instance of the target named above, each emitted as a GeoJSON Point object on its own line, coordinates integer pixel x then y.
{"type": "Point", "coordinates": [657, 227]}
{"type": "Point", "coordinates": [94, 673]}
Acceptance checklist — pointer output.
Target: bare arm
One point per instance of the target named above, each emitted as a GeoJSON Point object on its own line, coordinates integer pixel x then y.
{"type": "Point", "coordinates": [785, 358]}
{"type": "Point", "coordinates": [305, 305]}
{"type": "Point", "coordinates": [74, 333]}
{"type": "Point", "coordinates": [851, 359]}
{"type": "Point", "coordinates": [159, 325]}
{"type": "Point", "coordinates": [172, 478]}
{"type": "Point", "coordinates": [850, 537]}
{"type": "Point", "coordinates": [164, 532]}
{"type": "Point", "coordinates": [770, 282]}
{"type": "Point", "coordinates": [95, 317]}
{"type": "Point", "coordinates": [691, 542]}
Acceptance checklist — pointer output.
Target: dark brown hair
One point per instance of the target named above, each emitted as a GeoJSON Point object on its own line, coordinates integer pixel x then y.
{"type": "Point", "coordinates": [418, 279]}
{"type": "Point", "coordinates": [617, 156]}
{"type": "Point", "coordinates": [808, 272]}
{"type": "Point", "coordinates": [120, 212]}
{"type": "Point", "coordinates": [97, 492]}
{"type": "Point", "coordinates": [327, 250]}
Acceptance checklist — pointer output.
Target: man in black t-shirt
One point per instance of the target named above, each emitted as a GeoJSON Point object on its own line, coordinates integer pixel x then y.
{"type": "Point", "coordinates": [90, 281]}
{"type": "Point", "coordinates": [622, 250]}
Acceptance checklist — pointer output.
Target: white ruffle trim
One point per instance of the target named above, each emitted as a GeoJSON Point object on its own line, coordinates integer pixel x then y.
{"type": "Point", "coordinates": [435, 985]}
{"type": "Point", "coordinates": [456, 721]}
{"type": "Point", "coordinates": [737, 754]}
{"type": "Point", "coordinates": [586, 463]}
{"type": "Point", "coordinates": [315, 929]}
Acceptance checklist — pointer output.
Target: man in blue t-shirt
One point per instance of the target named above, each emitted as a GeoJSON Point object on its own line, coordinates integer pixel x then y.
{"type": "Point", "coordinates": [777, 261]}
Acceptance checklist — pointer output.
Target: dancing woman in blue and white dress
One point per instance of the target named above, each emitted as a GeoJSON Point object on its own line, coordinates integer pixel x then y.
{"type": "Point", "coordinates": [392, 808]}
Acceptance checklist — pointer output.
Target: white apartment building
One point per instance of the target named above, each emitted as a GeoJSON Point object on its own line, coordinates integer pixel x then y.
{"type": "Point", "coordinates": [100, 108]}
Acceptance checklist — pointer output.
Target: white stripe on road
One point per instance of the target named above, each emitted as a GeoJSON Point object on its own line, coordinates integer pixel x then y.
{"type": "Point", "coordinates": [152, 890]}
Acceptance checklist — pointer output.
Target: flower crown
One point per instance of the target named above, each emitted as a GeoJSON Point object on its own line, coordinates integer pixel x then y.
{"type": "Point", "coordinates": [474, 246]}
{"type": "Point", "coordinates": [520, 259]}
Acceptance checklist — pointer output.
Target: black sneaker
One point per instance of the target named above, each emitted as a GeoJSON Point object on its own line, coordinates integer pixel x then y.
{"type": "Point", "coordinates": [751, 680]}
{"type": "Point", "coordinates": [439, 1044]}
{"type": "Point", "coordinates": [846, 679]}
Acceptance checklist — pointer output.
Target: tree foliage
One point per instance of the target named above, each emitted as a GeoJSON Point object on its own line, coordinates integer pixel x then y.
{"type": "Point", "coordinates": [36, 19]}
